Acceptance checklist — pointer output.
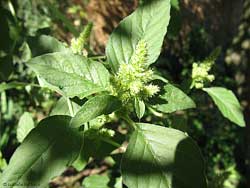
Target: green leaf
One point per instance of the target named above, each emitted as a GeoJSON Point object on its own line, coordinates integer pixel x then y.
{"type": "Point", "coordinates": [96, 106]}
{"type": "Point", "coordinates": [172, 99]}
{"type": "Point", "coordinates": [61, 107]}
{"type": "Point", "coordinates": [96, 181]}
{"type": "Point", "coordinates": [149, 23]}
{"type": "Point", "coordinates": [25, 53]}
{"type": "Point", "coordinates": [6, 67]}
{"type": "Point", "coordinates": [71, 75]}
{"type": "Point", "coordinates": [46, 44]}
{"type": "Point", "coordinates": [227, 103]}
{"type": "Point", "coordinates": [139, 108]}
{"type": "Point", "coordinates": [163, 158]}
{"type": "Point", "coordinates": [25, 125]}
{"type": "Point", "coordinates": [45, 153]}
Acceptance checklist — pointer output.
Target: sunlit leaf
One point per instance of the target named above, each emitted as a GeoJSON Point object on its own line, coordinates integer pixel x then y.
{"type": "Point", "coordinates": [227, 103]}
{"type": "Point", "coordinates": [148, 23]}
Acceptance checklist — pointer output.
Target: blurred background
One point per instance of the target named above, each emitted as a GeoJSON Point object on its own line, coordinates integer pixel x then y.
{"type": "Point", "coordinates": [196, 28]}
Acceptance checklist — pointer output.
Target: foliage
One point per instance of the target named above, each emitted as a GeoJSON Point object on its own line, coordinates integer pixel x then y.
{"type": "Point", "coordinates": [96, 96]}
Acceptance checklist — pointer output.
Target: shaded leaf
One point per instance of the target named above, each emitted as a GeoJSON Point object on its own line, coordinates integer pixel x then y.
{"type": "Point", "coordinates": [6, 67]}
{"type": "Point", "coordinates": [46, 44]}
{"type": "Point", "coordinates": [172, 99]}
{"type": "Point", "coordinates": [163, 158]}
{"type": "Point", "coordinates": [45, 153]}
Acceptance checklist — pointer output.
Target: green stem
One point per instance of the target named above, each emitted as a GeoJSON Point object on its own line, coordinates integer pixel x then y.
{"type": "Point", "coordinates": [98, 57]}
{"type": "Point", "coordinates": [111, 142]}
{"type": "Point", "coordinates": [130, 122]}
{"type": "Point", "coordinates": [71, 111]}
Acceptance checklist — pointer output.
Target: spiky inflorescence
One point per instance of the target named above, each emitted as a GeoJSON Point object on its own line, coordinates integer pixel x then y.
{"type": "Point", "coordinates": [200, 74]}
{"type": "Point", "coordinates": [77, 44]}
{"type": "Point", "coordinates": [132, 79]}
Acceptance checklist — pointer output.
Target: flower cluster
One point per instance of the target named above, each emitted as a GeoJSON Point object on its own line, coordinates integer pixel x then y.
{"type": "Point", "coordinates": [133, 78]}
{"type": "Point", "coordinates": [93, 133]}
{"type": "Point", "coordinates": [77, 44]}
{"type": "Point", "coordinates": [200, 74]}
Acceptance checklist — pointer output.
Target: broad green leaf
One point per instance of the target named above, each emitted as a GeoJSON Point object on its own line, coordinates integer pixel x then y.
{"type": "Point", "coordinates": [45, 153]}
{"type": "Point", "coordinates": [139, 108]}
{"type": "Point", "coordinates": [148, 23]}
{"type": "Point", "coordinates": [227, 103]}
{"type": "Point", "coordinates": [172, 99]}
{"type": "Point", "coordinates": [25, 125]}
{"type": "Point", "coordinates": [46, 44]}
{"type": "Point", "coordinates": [61, 107]}
{"type": "Point", "coordinates": [73, 75]}
{"type": "Point", "coordinates": [96, 106]}
{"type": "Point", "coordinates": [163, 158]}
{"type": "Point", "coordinates": [96, 181]}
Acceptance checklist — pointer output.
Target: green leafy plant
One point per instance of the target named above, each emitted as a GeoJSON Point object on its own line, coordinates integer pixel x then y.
{"type": "Point", "coordinates": [96, 94]}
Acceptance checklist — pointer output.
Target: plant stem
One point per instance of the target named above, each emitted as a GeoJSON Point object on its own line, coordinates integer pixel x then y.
{"type": "Point", "coordinates": [71, 111]}
{"type": "Point", "coordinates": [130, 122]}
{"type": "Point", "coordinates": [98, 57]}
{"type": "Point", "coordinates": [111, 142]}
{"type": "Point", "coordinates": [158, 114]}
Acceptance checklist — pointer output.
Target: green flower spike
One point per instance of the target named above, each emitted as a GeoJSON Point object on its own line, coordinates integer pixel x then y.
{"type": "Point", "coordinates": [200, 72]}
{"type": "Point", "coordinates": [132, 79]}
{"type": "Point", "coordinates": [77, 44]}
